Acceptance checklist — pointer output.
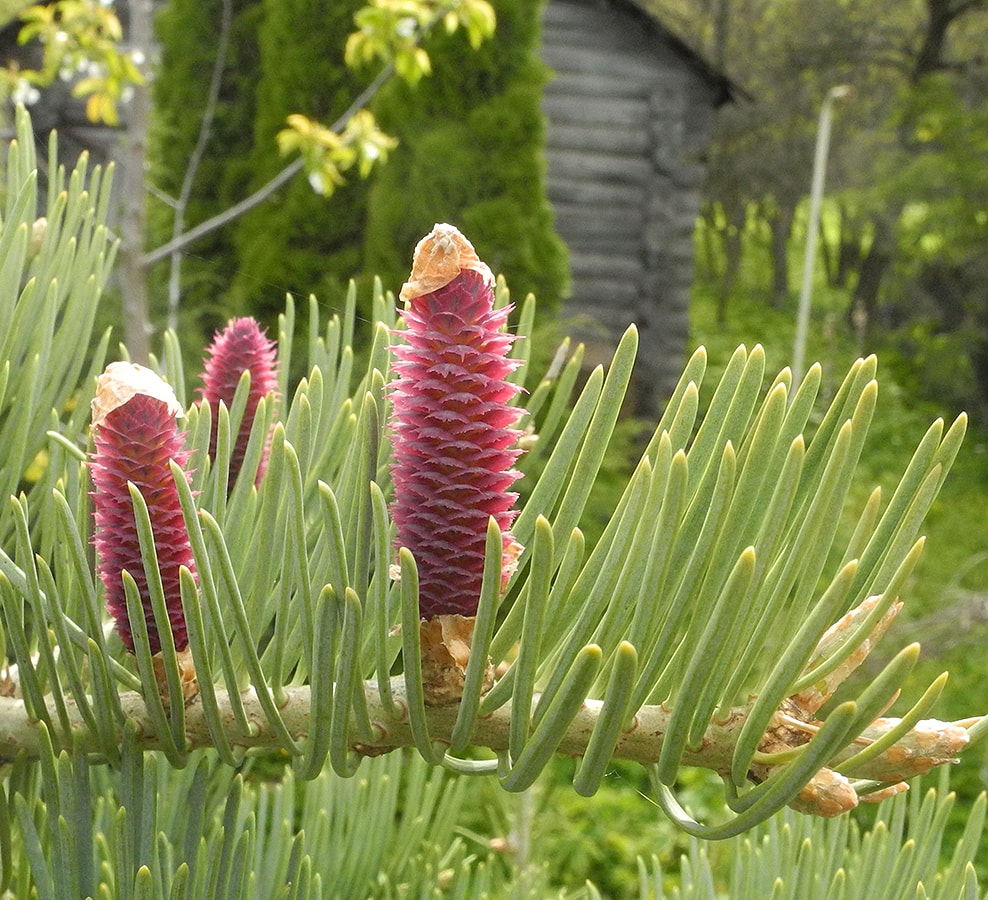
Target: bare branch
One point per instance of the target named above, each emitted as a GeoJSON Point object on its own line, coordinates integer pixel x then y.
{"type": "Point", "coordinates": [192, 169]}
{"type": "Point", "coordinates": [263, 193]}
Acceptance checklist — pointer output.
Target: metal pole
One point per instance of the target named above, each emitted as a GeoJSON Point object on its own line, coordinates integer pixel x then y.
{"type": "Point", "coordinates": [812, 227]}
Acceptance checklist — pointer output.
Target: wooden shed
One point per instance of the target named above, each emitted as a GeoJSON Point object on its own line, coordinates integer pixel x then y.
{"type": "Point", "coordinates": [629, 113]}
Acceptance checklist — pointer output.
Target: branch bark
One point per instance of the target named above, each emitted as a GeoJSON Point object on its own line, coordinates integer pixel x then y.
{"type": "Point", "coordinates": [941, 14]}
{"type": "Point", "coordinates": [929, 744]}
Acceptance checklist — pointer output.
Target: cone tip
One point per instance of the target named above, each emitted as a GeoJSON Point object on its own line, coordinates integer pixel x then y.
{"type": "Point", "coordinates": [122, 380]}
{"type": "Point", "coordinates": [439, 258]}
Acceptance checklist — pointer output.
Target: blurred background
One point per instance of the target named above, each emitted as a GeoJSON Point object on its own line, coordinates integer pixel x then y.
{"type": "Point", "coordinates": [664, 162]}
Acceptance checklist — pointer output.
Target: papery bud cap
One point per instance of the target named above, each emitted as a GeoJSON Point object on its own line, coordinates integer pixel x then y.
{"type": "Point", "coordinates": [121, 381]}
{"type": "Point", "coordinates": [439, 258]}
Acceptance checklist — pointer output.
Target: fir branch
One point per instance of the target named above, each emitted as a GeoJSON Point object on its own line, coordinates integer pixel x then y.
{"type": "Point", "coordinates": [930, 744]}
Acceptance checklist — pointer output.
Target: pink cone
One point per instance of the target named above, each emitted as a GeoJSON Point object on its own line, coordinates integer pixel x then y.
{"type": "Point", "coordinates": [240, 346]}
{"type": "Point", "coordinates": [135, 436]}
{"type": "Point", "coordinates": [452, 434]}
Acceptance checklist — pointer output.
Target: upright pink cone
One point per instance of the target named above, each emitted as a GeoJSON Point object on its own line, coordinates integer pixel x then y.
{"type": "Point", "coordinates": [135, 435]}
{"type": "Point", "coordinates": [241, 346]}
{"type": "Point", "coordinates": [451, 426]}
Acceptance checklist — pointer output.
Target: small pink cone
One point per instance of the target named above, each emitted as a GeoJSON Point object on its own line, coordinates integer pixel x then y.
{"type": "Point", "coordinates": [241, 346]}
{"type": "Point", "coordinates": [135, 436]}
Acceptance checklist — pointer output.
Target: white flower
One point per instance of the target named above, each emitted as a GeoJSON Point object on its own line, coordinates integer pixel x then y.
{"type": "Point", "coordinates": [317, 183]}
{"type": "Point", "coordinates": [406, 27]}
{"type": "Point", "coordinates": [25, 93]}
{"type": "Point", "coordinates": [137, 57]}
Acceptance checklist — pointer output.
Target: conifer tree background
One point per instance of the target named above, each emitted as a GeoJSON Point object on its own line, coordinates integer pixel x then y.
{"type": "Point", "coordinates": [477, 113]}
{"type": "Point", "coordinates": [471, 140]}
{"type": "Point", "coordinates": [188, 33]}
{"type": "Point", "coordinates": [301, 241]}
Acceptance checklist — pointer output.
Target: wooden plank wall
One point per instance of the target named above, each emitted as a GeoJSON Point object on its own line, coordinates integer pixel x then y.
{"type": "Point", "coordinates": [627, 122]}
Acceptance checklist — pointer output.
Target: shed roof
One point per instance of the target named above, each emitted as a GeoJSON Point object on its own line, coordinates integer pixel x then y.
{"type": "Point", "coordinates": [725, 89]}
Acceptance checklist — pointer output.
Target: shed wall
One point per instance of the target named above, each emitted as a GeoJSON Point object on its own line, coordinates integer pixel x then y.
{"type": "Point", "coordinates": [628, 121]}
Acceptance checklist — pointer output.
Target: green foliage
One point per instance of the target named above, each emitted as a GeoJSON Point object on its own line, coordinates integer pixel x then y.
{"type": "Point", "coordinates": [144, 828]}
{"type": "Point", "coordinates": [303, 241]}
{"type": "Point", "coordinates": [906, 237]}
{"type": "Point", "coordinates": [82, 36]}
{"type": "Point", "coordinates": [328, 155]}
{"type": "Point", "coordinates": [52, 272]}
{"type": "Point", "coordinates": [958, 517]}
{"type": "Point", "coordinates": [943, 181]}
{"type": "Point", "coordinates": [674, 640]}
{"type": "Point", "coordinates": [599, 839]}
{"type": "Point", "coordinates": [792, 858]}
{"type": "Point", "coordinates": [942, 595]}
{"type": "Point", "coordinates": [389, 31]}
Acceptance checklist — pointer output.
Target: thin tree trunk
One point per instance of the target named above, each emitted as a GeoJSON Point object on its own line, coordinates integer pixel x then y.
{"type": "Point", "coordinates": [137, 319]}
{"type": "Point", "coordinates": [709, 259]}
{"type": "Point", "coordinates": [875, 264]}
{"type": "Point", "coordinates": [732, 265]}
{"type": "Point", "coordinates": [848, 250]}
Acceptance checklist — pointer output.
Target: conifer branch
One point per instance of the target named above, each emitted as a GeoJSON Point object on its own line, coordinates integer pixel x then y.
{"type": "Point", "coordinates": [932, 744]}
